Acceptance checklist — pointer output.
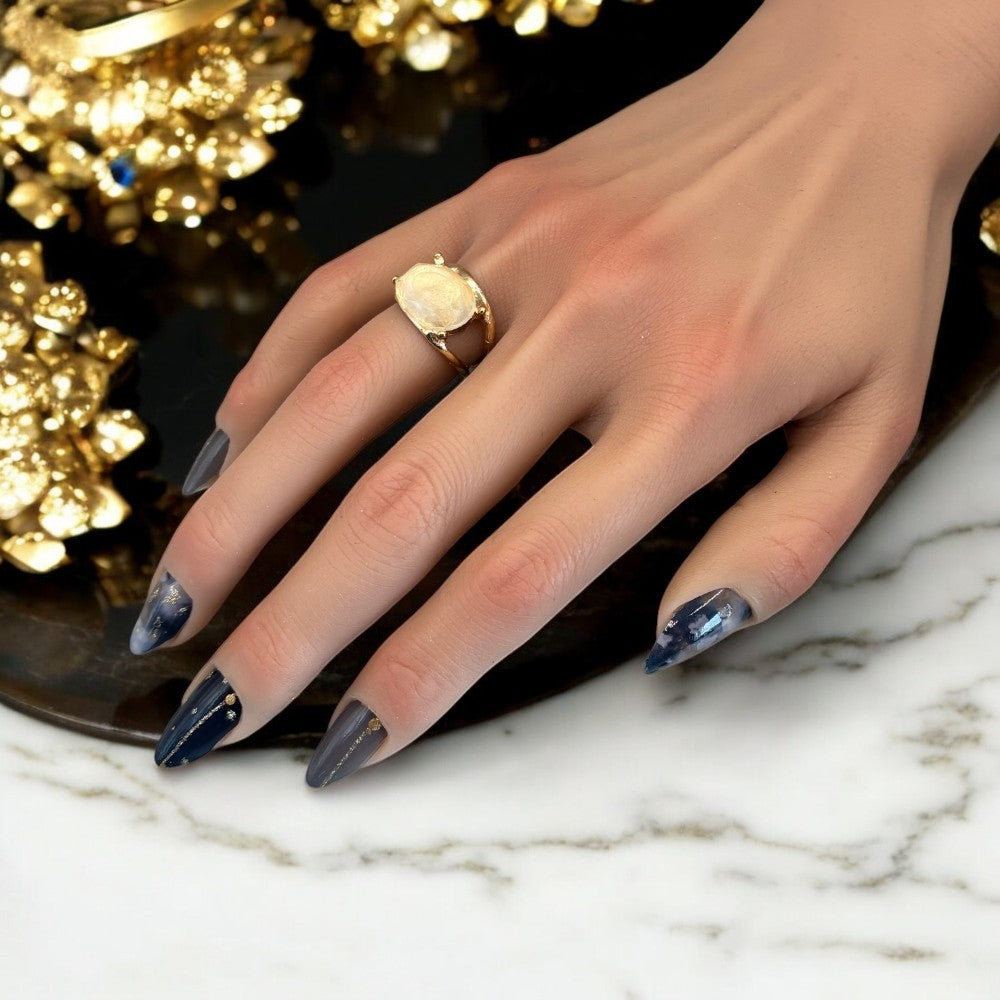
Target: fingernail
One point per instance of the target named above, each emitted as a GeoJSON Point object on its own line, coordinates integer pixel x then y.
{"type": "Point", "coordinates": [202, 720]}
{"type": "Point", "coordinates": [695, 626]}
{"type": "Point", "coordinates": [354, 736]}
{"type": "Point", "coordinates": [163, 615]}
{"type": "Point", "coordinates": [208, 463]}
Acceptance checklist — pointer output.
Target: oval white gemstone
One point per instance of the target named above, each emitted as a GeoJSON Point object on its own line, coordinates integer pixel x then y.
{"type": "Point", "coordinates": [435, 297]}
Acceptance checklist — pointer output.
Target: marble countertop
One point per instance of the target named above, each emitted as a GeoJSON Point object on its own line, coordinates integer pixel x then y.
{"type": "Point", "coordinates": [811, 809]}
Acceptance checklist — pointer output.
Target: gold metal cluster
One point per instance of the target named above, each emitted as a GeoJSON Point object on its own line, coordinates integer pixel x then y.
{"type": "Point", "coordinates": [989, 233]}
{"type": "Point", "coordinates": [989, 228]}
{"type": "Point", "coordinates": [58, 441]}
{"type": "Point", "coordinates": [433, 34]}
{"type": "Point", "coordinates": [147, 105]}
{"type": "Point", "coordinates": [989, 219]}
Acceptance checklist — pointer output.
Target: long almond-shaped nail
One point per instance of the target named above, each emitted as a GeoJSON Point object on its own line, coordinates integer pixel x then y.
{"type": "Point", "coordinates": [208, 464]}
{"type": "Point", "coordinates": [352, 738]}
{"type": "Point", "coordinates": [696, 625]}
{"type": "Point", "coordinates": [212, 710]}
{"type": "Point", "coordinates": [163, 615]}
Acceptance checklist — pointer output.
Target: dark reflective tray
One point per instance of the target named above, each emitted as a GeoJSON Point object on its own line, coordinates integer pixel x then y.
{"type": "Point", "coordinates": [368, 153]}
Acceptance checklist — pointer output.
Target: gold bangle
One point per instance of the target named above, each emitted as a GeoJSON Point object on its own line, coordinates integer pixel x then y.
{"type": "Point", "coordinates": [32, 25]}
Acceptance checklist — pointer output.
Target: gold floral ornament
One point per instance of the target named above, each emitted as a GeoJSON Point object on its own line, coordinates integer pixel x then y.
{"type": "Point", "coordinates": [434, 34]}
{"type": "Point", "coordinates": [147, 105]}
{"type": "Point", "coordinates": [58, 441]}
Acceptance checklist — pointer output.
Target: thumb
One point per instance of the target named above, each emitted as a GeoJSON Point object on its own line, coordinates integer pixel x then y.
{"type": "Point", "coordinates": [772, 544]}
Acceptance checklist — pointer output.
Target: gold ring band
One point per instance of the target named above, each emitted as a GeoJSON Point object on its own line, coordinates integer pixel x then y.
{"type": "Point", "coordinates": [439, 299]}
{"type": "Point", "coordinates": [33, 26]}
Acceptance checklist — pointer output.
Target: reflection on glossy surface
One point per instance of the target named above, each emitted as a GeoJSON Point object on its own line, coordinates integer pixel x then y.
{"type": "Point", "coordinates": [64, 638]}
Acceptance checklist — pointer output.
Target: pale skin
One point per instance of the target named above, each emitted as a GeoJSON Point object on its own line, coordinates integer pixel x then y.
{"type": "Point", "coordinates": [763, 244]}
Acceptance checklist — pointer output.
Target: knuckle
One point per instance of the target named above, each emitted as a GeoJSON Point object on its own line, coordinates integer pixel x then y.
{"type": "Point", "coordinates": [411, 687]}
{"type": "Point", "coordinates": [637, 245]}
{"type": "Point", "coordinates": [329, 283]}
{"type": "Point", "coordinates": [688, 376]}
{"type": "Point", "coordinates": [525, 577]}
{"type": "Point", "coordinates": [575, 223]}
{"type": "Point", "coordinates": [248, 386]}
{"type": "Point", "coordinates": [656, 235]}
{"type": "Point", "coordinates": [404, 499]}
{"type": "Point", "coordinates": [541, 203]}
{"type": "Point", "coordinates": [796, 555]}
{"type": "Point", "coordinates": [212, 530]}
{"type": "Point", "coordinates": [332, 387]}
{"type": "Point", "coordinates": [256, 383]}
{"type": "Point", "coordinates": [511, 178]}
{"type": "Point", "coordinates": [272, 645]}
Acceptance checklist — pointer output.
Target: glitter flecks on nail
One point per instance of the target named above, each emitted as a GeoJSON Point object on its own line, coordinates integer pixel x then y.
{"type": "Point", "coordinates": [350, 741]}
{"type": "Point", "coordinates": [696, 625]}
{"type": "Point", "coordinates": [167, 608]}
{"type": "Point", "coordinates": [212, 711]}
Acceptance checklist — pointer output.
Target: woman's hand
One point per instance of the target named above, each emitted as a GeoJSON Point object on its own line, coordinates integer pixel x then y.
{"type": "Point", "coordinates": [763, 244]}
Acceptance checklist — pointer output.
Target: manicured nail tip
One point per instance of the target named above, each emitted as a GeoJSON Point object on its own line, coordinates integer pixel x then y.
{"type": "Point", "coordinates": [202, 720]}
{"type": "Point", "coordinates": [696, 625]}
{"type": "Point", "coordinates": [350, 741]}
{"type": "Point", "coordinates": [163, 615]}
{"type": "Point", "coordinates": [208, 464]}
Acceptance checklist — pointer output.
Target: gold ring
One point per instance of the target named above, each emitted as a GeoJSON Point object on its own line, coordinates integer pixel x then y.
{"type": "Point", "coordinates": [440, 298]}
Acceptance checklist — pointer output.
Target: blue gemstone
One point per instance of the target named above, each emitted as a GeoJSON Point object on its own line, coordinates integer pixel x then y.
{"type": "Point", "coordinates": [123, 170]}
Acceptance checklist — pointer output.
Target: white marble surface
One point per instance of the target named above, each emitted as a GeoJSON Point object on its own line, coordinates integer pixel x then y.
{"type": "Point", "coordinates": [810, 810]}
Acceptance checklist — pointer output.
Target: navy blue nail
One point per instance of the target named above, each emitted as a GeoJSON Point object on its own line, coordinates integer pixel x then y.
{"type": "Point", "coordinates": [208, 464]}
{"type": "Point", "coordinates": [354, 736]}
{"type": "Point", "coordinates": [695, 626]}
{"type": "Point", "coordinates": [202, 720]}
{"type": "Point", "coordinates": [163, 615]}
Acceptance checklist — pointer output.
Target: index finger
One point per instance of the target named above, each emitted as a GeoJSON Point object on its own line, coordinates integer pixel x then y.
{"type": "Point", "coordinates": [334, 301]}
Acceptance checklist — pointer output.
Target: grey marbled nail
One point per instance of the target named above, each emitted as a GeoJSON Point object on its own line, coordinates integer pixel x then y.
{"type": "Point", "coordinates": [208, 464]}
{"type": "Point", "coordinates": [696, 625]}
{"type": "Point", "coordinates": [163, 615]}
{"type": "Point", "coordinates": [354, 736]}
{"type": "Point", "coordinates": [212, 710]}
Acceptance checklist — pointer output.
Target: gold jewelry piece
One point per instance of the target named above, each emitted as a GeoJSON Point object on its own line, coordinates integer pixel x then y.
{"type": "Point", "coordinates": [58, 441]}
{"type": "Point", "coordinates": [989, 228]}
{"type": "Point", "coordinates": [440, 298]}
{"type": "Point", "coordinates": [148, 106]}
{"type": "Point", "coordinates": [435, 34]}
{"type": "Point", "coordinates": [39, 23]}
